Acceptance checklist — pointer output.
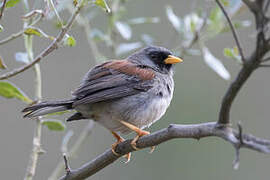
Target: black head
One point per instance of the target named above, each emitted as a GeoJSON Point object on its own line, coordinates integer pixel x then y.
{"type": "Point", "coordinates": [158, 58]}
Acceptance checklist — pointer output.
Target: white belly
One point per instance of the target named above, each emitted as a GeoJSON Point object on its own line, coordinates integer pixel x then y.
{"type": "Point", "coordinates": [156, 110]}
{"type": "Point", "coordinates": [141, 116]}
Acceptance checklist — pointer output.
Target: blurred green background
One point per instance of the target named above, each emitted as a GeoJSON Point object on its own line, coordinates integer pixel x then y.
{"type": "Point", "coordinates": [197, 98]}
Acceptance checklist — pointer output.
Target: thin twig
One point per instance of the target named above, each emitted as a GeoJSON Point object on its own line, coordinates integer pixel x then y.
{"type": "Point", "coordinates": [51, 4]}
{"type": "Point", "coordinates": [266, 6]}
{"type": "Point", "coordinates": [74, 150]}
{"type": "Point", "coordinates": [49, 49]}
{"type": "Point", "coordinates": [33, 13]}
{"type": "Point", "coordinates": [236, 161]}
{"type": "Point", "coordinates": [195, 131]}
{"type": "Point", "coordinates": [11, 37]}
{"type": "Point", "coordinates": [66, 138]}
{"type": "Point", "coordinates": [36, 150]}
{"type": "Point", "coordinates": [264, 65]}
{"type": "Point", "coordinates": [238, 146]}
{"type": "Point", "coordinates": [231, 93]}
{"type": "Point", "coordinates": [67, 168]}
{"type": "Point", "coordinates": [233, 30]}
{"type": "Point", "coordinates": [3, 8]}
{"type": "Point", "coordinates": [18, 34]}
{"type": "Point", "coordinates": [240, 129]}
{"type": "Point", "coordinates": [36, 147]}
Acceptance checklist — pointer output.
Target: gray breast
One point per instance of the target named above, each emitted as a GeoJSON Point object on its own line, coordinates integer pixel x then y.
{"type": "Point", "coordinates": [147, 107]}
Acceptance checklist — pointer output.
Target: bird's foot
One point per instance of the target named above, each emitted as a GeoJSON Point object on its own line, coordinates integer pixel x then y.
{"type": "Point", "coordinates": [139, 132]}
{"type": "Point", "coordinates": [119, 140]}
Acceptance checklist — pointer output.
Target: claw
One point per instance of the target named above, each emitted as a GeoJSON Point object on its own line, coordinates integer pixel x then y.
{"type": "Point", "coordinates": [139, 132]}
{"type": "Point", "coordinates": [152, 149]}
{"type": "Point", "coordinates": [119, 140]}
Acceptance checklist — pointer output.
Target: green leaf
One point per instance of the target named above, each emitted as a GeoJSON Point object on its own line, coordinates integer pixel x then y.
{"type": "Point", "coordinates": [216, 21]}
{"type": "Point", "coordinates": [12, 3]}
{"type": "Point", "coordinates": [75, 2]}
{"type": "Point", "coordinates": [235, 51]}
{"type": "Point", "coordinates": [58, 24]}
{"type": "Point", "coordinates": [2, 64]}
{"type": "Point", "coordinates": [215, 14]}
{"type": "Point", "coordinates": [225, 2]}
{"type": "Point", "coordinates": [1, 28]}
{"type": "Point", "coordinates": [32, 31]}
{"type": "Point", "coordinates": [103, 5]}
{"type": "Point", "coordinates": [70, 41]}
{"type": "Point", "coordinates": [9, 90]}
{"type": "Point", "coordinates": [192, 22]}
{"type": "Point", "coordinates": [37, 32]}
{"type": "Point", "coordinates": [54, 125]}
{"type": "Point", "coordinates": [192, 26]}
{"type": "Point", "coordinates": [232, 53]}
{"type": "Point", "coordinates": [228, 52]}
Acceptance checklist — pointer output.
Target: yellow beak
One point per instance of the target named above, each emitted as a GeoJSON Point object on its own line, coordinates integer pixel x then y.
{"type": "Point", "coordinates": [172, 60]}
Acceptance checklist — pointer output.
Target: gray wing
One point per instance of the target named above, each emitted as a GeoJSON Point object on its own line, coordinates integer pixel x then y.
{"type": "Point", "coordinates": [104, 84]}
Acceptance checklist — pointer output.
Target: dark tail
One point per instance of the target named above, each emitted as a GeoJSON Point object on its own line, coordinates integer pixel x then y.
{"type": "Point", "coordinates": [44, 108]}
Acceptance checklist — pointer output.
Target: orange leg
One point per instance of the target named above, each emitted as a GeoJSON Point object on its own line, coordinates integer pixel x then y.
{"type": "Point", "coordinates": [139, 132]}
{"type": "Point", "coordinates": [119, 140]}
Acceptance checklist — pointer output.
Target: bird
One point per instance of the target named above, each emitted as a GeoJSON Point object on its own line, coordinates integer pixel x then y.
{"type": "Point", "coordinates": [121, 95]}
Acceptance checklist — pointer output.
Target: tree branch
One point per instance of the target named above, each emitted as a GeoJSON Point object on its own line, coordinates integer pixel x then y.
{"type": "Point", "coordinates": [11, 37]}
{"type": "Point", "coordinates": [50, 48]}
{"type": "Point", "coordinates": [266, 59]}
{"type": "Point", "coordinates": [266, 6]}
{"type": "Point", "coordinates": [252, 6]}
{"type": "Point", "coordinates": [195, 131]}
{"type": "Point", "coordinates": [235, 36]}
{"type": "Point", "coordinates": [233, 90]}
{"type": "Point", "coordinates": [264, 65]}
{"type": "Point", "coordinates": [2, 8]}
{"type": "Point", "coordinates": [249, 65]}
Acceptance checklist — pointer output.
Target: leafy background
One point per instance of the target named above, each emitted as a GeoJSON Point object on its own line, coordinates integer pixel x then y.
{"type": "Point", "coordinates": [197, 97]}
